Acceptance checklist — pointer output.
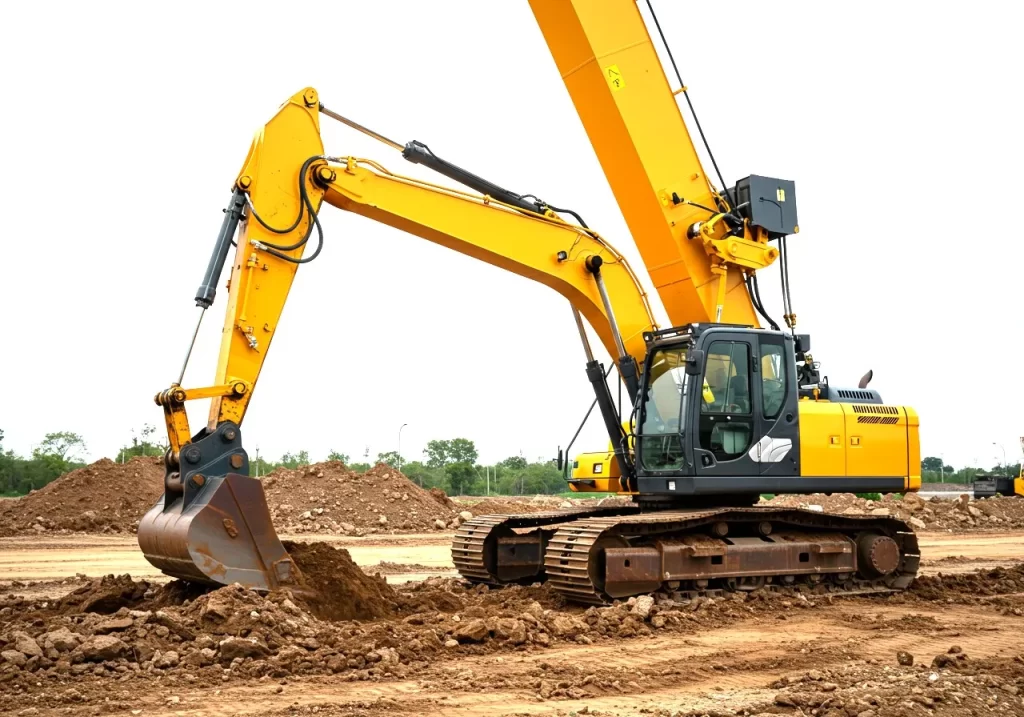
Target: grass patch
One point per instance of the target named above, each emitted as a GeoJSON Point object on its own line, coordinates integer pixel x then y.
{"type": "Point", "coordinates": [869, 496]}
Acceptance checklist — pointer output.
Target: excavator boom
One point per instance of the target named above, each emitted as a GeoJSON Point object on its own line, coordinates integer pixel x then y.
{"type": "Point", "coordinates": [611, 69]}
{"type": "Point", "coordinates": [212, 523]}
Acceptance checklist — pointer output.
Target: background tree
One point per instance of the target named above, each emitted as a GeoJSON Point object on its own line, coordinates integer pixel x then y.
{"type": "Point", "coordinates": [423, 475]}
{"type": "Point", "coordinates": [335, 456]}
{"type": "Point", "coordinates": [294, 460]}
{"type": "Point", "coordinates": [63, 445]}
{"type": "Point", "coordinates": [389, 457]}
{"type": "Point", "coordinates": [513, 463]}
{"type": "Point", "coordinates": [457, 459]}
{"type": "Point", "coordinates": [148, 446]}
{"type": "Point", "coordinates": [55, 455]}
{"type": "Point", "coordinates": [260, 467]}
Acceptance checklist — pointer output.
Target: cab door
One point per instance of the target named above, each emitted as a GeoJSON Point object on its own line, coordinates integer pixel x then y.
{"type": "Point", "coordinates": [729, 419]}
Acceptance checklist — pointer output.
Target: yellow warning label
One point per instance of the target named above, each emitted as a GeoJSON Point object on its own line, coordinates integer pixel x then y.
{"type": "Point", "coordinates": [780, 194]}
{"type": "Point", "coordinates": [614, 77]}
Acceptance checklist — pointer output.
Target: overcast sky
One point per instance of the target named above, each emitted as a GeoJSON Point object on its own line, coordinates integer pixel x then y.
{"type": "Point", "coordinates": [125, 124]}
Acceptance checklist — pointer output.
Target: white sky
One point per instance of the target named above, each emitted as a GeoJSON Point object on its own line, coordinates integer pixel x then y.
{"type": "Point", "coordinates": [125, 124]}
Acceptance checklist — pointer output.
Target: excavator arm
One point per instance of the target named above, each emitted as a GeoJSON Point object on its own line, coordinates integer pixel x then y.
{"type": "Point", "coordinates": [700, 245]}
{"type": "Point", "coordinates": [286, 178]}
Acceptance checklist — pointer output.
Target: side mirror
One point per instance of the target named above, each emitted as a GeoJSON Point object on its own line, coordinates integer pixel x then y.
{"type": "Point", "coordinates": [561, 459]}
{"type": "Point", "coordinates": [695, 362]}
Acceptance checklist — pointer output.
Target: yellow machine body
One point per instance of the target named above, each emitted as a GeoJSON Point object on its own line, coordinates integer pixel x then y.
{"type": "Point", "coordinates": [701, 250]}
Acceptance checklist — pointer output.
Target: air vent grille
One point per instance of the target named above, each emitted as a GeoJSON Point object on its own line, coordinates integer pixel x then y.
{"type": "Point", "coordinates": [854, 394]}
{"type": "Point", "coordinates": [885, 420]}
{"type": "Point", "coordinates": [876, 410]}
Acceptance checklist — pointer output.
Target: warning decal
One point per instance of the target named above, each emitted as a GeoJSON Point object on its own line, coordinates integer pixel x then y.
{"type": "Point", "coordinates": [614, 77]}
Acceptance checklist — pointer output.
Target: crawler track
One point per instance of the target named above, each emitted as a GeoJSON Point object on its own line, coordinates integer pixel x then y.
{"type": "Point", "coordinates": [681, 551]}
{"type": "Point", "coordinates": [474, 546]}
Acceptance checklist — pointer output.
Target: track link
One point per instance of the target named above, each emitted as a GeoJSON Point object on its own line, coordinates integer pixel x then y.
{"type": "Point", "coordinates": [569, 560]}
{"type": "Point", "coordinates": [574, 543]}
{"type": "Point", "coordinates": [476, 537]}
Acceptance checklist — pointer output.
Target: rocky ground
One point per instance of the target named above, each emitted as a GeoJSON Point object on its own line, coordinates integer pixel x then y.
{"type": "Point", "coordinates": [329, 498]}
{"type": "Point", "coordinates": [116, 645]}
{"type": "Point", "coordinates": [960, 514]}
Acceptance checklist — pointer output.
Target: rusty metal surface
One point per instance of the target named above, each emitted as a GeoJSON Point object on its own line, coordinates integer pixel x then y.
{"type": "Point", "coordinates": [878, 554]}
{"type": "Point", "coordinates": [576, 544]}
{"type": "Point", "coordinates": [475, 545]}
{"type": "Point", "coordinates": [574, 549]}
{"type": "Point", "coordinates": [224, 536]}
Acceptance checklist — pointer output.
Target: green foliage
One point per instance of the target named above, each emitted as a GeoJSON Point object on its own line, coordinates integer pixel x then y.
{"type": "Point", "coordinates": [55, 455]}
{"type": "Point", "coordinates": [457, 450]}
{"type": "Point", "coordinates": [931, 463]}
{"type": "Point", "coordinates": [870, 496]}
{"type": "Point", "coordinates": [63, 446]}
{"type": "Point", "coordinates": [144, 447]}
{"type": "Point", "coordinates": [294, 460]}
{"type": "Point", "coordinates": [359, 467]}
{"type": "Point", "coordinates": [767, 496]}
{"type": "Point", "coordinates": [260, 466]}
{"type": "Point", "coordinates": [423, 475]}
{"type": "Point", "coordinates": [456, 460]}
{"type": "Point", "coordinates": [528, 478]}
{"type": "Point", "coordinates": [335, 456]}
{"type": "Point", "coordinates": [513, 463]}
{"type": "Point", "coordinates": [389, 457]}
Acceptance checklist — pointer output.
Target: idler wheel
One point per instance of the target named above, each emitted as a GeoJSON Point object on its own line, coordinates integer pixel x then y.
{"type": "Point", "coordinates": [877, 555]}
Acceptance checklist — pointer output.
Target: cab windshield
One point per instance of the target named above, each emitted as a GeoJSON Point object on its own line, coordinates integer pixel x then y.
{"type": "Point", "coordinates": [663, 415]}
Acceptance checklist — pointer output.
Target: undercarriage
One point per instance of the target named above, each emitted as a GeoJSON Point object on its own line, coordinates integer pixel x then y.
{"type": "Point", "coordinates": [601, 554]}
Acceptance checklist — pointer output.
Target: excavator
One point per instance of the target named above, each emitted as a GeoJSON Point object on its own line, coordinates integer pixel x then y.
{"type": "Point", "coordinates": [719, 410]}
{"type": "Point", "coordinates": [989, 485]}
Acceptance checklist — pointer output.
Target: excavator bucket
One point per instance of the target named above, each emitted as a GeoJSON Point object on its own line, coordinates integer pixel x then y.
{"type": "Point", "coordinates": [218, 533]}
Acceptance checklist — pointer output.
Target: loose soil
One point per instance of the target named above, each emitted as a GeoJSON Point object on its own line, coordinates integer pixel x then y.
{"type": "Point", "coordinates": [346, 643]}
{"type": "Point", "coordinates": [108, 497]}
{"type": "Point", "coordinates": [104, 497]}
{"type": "Point", "coordinates": [962, 514]}
{"type": "Point", "coordinates": [329, 498]}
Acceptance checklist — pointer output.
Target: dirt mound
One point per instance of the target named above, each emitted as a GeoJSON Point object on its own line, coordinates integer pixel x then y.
{"type": "Point", "coordinates": [104, 497]}
{"type": "Point", "coordinates": [498, 506]}
{"type": "Point", "coordinates": [957, 515]}
{"type": "Point", "coordinates": [508, 505]}
{"type": "Point", "coordinates": [330, 498]}
{"type": "Point", "coordinates": [334, 588]}
{"type": "Point", "coordinates": [968, 587]}
{"type": "Point", "coordinates": [441, 497]}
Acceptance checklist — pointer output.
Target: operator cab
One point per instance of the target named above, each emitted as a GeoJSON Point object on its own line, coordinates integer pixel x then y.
{"type": "Point", "coordinates": [717, 401]}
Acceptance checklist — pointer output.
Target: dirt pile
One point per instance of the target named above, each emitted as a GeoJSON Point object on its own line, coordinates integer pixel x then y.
{"type": "Point", "coordinates": [506, 505]}
{"type": "Point", "coordinates": [503, 506]}
{"type": "Point", "coordinates": [962, 514]}
{"type": "Point", "coordinates": [333, 586]}
{"type": "Point", "coordinates": [330, 498]}
{"type": "Point", "coordinates": [1000, 586]}
{"type": "Point", "coordinates": [946, 685]}
{"type": "Point", "coordinates": [104, 497]}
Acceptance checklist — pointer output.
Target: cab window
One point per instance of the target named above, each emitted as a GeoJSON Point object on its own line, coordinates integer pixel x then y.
{"type": "Point", "coordinates": [773, 379]}
{"type": "Point", "coordinates": [727, 376]}
{"type": "Point", "coordinates": [663, 415]}
{"type": "Point", "coordinates": [727, 421]}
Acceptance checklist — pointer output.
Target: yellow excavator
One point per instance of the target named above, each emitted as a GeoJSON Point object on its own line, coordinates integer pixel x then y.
{"type": "Point", "coordinates": [719, 409]}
